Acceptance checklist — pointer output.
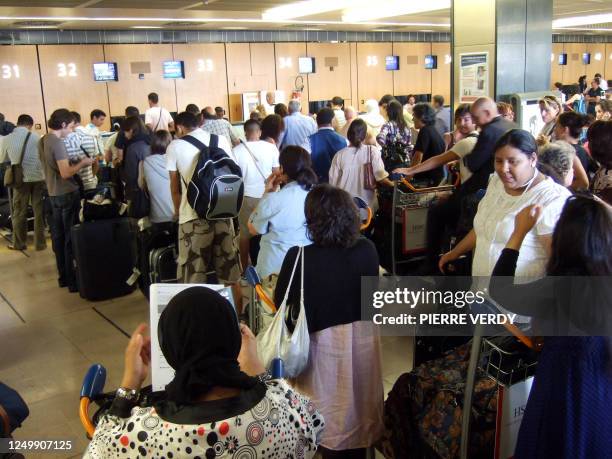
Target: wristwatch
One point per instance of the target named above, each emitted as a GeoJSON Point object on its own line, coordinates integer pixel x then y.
{"type": "Point", "coordinates": [127, 394]}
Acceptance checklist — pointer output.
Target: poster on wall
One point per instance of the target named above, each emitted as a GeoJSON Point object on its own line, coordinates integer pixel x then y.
{"type": "Point", "coordinates": [473, 76]}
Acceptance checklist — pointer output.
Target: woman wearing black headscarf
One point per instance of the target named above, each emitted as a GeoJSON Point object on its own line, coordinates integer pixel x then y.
{"type": "Point", "coordinates": [214, 406]}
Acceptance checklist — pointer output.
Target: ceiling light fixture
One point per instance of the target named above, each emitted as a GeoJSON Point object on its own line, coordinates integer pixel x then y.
{"type": "Point", "coordinates": [306, 8]}
{"type": "Point", "coordinates": [38, 27]}
{"type": "Point", "coordinates": [146, 27]}
{"type": "Point", "coordinates": [392, 8]}
{"type": "Point", "coordinates": [582, 20]}
{"type": "Point", "coordinates": [584, 29]}
{"type": "Point", "coordinates": [221, 20]}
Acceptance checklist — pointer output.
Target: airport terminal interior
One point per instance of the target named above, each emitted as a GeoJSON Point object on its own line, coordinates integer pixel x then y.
{"type": "Point", "coordinates": [296, 229]}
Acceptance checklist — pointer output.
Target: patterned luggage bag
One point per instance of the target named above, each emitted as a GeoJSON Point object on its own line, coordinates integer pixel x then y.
{"type": "Point", "coordinates": [424, 410]}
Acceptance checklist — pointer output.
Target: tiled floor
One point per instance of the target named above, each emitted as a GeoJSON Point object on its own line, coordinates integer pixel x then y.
{"type": "Point", "coordinates": [49, 338]}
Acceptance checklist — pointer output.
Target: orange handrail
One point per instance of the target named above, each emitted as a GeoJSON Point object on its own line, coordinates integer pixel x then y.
{"type": "Point", "coordinates": [517, 332]}
{"type": "Point", "coordinates": [261, 293]}
{"type": "Point", "coordinates": [84, 416]}
{"type": "Point", "coordinates": [365, 224]}
{"type": "Point", "coordinates": [412, 188]}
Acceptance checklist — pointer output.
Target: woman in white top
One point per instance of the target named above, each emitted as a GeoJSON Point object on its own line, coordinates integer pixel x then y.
{"type": "Point", "coordinates": [348, 165]}
{"type": "Point", "coordinates": [516, 184]}
{"type": "Point", "coordinates": [154, 177]}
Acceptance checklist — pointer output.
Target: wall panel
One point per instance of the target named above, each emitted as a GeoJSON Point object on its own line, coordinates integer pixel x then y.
{"type": "Point", "coordinates": [373, 81]}
{"type": "Point", "coordinates": [287, 55]}
{"type": "Point", "coordinates": [330, 81]}
{"type": "Point", "coordinates": [575, 67]}
{"type": "Point", "coordinates": [67, 78]}
{"type": "Point", "coordinates": [250, 67]}
{"type": "Point", "coordinates": [20, 79]}
{"type": "Point", "coordinates": [598, 59]}
{"type": "Point", "coordinates": [412, 76]}
{"type": "Point", "coordinates": [556, 70]}
{"type": "Point", "coordinates": [205, 80]}
{"type": "Point", "coordinates": [441, 77]}
{"type": "Point", "coordinates": [608, 60]}
{"type": "Point", "coordinates": [130, 89]}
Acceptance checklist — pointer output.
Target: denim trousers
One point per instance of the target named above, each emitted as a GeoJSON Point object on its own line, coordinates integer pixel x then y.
{"type": "Point", "coordinates": [65, 214]}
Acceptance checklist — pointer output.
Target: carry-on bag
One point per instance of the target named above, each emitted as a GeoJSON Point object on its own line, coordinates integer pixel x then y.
{"type": "Point", "coordinates": [103, 256]}
{"type": "Point", "coordinates": [277, 342]}
{"type": "Point", "coordinates": [156, 257]}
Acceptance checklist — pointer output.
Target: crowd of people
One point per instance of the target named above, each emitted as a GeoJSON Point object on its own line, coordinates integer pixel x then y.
{"type": "Point", "coordinates": [301, 174]}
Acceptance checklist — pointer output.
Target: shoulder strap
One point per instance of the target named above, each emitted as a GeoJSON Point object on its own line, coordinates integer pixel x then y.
{"type": "Point", "coordinates": [255, 160]}
{"type": "Point", "coordinates": [23, 148]}
{"type": "Point", "coordinates": [196, 143]}
{"type": "Point", "coordinates": [158, 119]}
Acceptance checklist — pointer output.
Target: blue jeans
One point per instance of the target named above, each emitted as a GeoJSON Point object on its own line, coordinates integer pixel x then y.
{"type": "Point", "coordinates": [65, 213]}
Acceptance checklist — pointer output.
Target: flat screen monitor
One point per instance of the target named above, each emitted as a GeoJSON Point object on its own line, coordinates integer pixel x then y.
{"type": "Point", "coordinates": [563, 59]}
{"type": "Point", "coordinates": [586, 58]}
{"type": "Point", "coordinates": [105, 71]}
{"type": "Point", "coordinates": [306, 64]}
{"type": "Point", "coordinates": [392, 62]}
{"type": "Point", "coordinates": [431, 62]}
{"type": "Point", "coordinates": [174, 69]}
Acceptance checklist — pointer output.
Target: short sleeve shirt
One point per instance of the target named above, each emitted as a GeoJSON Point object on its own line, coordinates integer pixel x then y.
{"type": "Point", "coordinates": [430, 143]}
{"type": "Point", "coordinates": [280, 218]}
{"type": "Point", "coordinates": [266, 155]}
{"type": "Point", "coordinates": [54, 150]}
{"type": "Point", "coordinates": [494, 224]}
{"type": "Point", "coordinates": [158, 118]}
{"type": "Point", "coordinates": [182, 158]}
{"type": "Point", "coordinates": [463, 148]}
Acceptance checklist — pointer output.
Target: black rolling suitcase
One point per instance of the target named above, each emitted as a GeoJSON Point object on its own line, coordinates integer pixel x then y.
{"type": "Point", "coordinates": [157, 255]}
{"type": "Point", "coordinates": [162, 262]}
{"type": "Point", "coordinates": [103, 255]}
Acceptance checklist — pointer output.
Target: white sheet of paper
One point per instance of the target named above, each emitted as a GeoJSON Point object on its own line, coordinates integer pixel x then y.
{"type": "Point", "coordinates": [160, 296]}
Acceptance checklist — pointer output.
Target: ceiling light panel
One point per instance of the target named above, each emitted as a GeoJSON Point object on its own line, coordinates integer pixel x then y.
{"type": "Point", "coordinates": [582, 20]}
{"type": "Point", "coordinates": [307, 8]}
{"type": "Point", "coordinates": [392, 8]}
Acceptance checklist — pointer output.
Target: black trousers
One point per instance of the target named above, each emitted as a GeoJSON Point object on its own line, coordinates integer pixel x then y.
{"type": "Point", "coordinates": [440, 218]}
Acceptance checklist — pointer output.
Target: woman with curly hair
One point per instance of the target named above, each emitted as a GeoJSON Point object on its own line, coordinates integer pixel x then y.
{"type": "Point", "coordinates": [342, 346]}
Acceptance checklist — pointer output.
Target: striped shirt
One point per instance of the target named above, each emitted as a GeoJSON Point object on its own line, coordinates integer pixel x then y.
{"type": "Point", "coordinates": [221, 127]}
{"type": "Point", "coordinates": [75, 143]}
{"type": "Point", "coordinates": [12, 146]}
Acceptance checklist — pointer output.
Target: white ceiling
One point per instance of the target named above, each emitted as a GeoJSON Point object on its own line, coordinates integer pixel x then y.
{"type": "Point", "coordinates": [234, 14]}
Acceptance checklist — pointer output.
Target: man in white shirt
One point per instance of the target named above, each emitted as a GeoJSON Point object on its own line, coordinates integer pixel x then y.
{"type": "Point", "coordinates": [158, 118]}
{"type": "Point", "coordinates": [97, 118]}
{"type": "Point", "coordinates": [257, 160]}
{"type": "Point", "coordinates": [337, 105]}
{"type": "Point", "coordinates": [603, 83]}
{"type": "Point", "coordinates": [204, 245]}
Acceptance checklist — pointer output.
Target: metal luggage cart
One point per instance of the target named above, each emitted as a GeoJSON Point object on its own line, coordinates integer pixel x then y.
{"type": "Point", "coordinates": [487, 355]}
{"type": "Point", "coordinates": [409, 210]}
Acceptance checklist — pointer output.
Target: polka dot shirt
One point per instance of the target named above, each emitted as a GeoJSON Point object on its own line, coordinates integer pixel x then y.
{"type": "Point", "coordinates": [283, 424]}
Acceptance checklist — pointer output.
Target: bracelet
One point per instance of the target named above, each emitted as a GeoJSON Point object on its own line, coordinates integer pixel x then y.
{"type": "Point", "coordinates": [264, 377]}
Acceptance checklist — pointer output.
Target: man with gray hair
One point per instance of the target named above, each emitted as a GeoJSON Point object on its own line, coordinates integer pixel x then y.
{"type": "Point", "coordinates": [298, 127]}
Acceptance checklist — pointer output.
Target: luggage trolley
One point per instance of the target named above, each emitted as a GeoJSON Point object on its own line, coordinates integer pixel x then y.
{"type": "Point", "coordinates": [409, 209]}
{"type": "Point", "coordinates": [506, 367]}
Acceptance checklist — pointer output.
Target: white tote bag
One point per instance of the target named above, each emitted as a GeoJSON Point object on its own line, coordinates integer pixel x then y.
{"type": "Point", "coordinates": [278, 341]}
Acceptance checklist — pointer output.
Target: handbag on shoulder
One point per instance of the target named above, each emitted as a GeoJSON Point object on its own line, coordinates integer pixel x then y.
{"type": "Point", "coordinates": [277, 342]}
{"type": "Point", "coordinates": [14, 175]}
{"type": "Point", "coordinates": [369, 179]}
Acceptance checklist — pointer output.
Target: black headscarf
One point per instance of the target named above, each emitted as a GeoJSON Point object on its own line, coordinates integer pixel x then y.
{"type": "Point", "coordinates": [200, 338]}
